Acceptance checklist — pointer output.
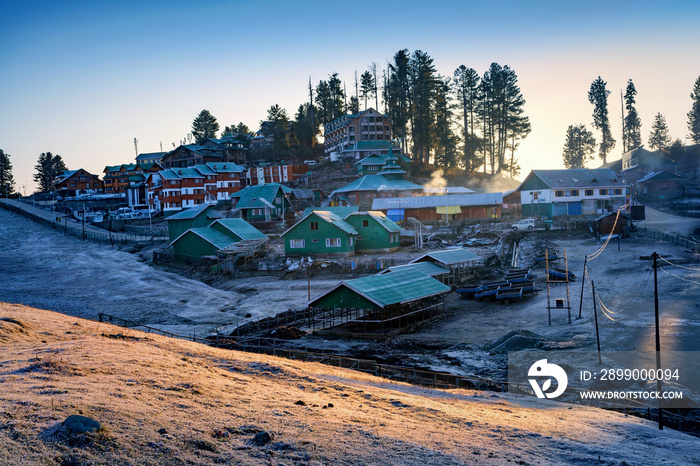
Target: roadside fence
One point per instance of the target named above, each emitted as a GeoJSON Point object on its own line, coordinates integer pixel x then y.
{"type": "Point", "coordinates": [694, 246]}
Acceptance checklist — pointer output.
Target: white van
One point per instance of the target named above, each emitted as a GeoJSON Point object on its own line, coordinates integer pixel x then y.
{"type": "Point", "coordinates": [524, 224]}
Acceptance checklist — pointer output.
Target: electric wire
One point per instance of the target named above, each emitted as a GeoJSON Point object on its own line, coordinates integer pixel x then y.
{"type": "Point", "coordinates": [597, 297]}
{"type": "Point", "coordinates": [678, 265]}
{"type": "Point", "coordinates": [680, 278]}
{"type": "Point", "coordinates": [602, 248]}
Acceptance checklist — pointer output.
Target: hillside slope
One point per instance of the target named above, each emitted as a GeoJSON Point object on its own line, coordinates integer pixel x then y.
{"type": "Point", "coordinates": [165, 401]}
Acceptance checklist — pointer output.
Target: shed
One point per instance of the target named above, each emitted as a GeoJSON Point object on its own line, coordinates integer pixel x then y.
{"type": "Point", "coordinates": [436, 208]}
{"type": "Point", "coordinates": [382, 303]}
{"type": "Point", "coordinates": [238, 229]}
{"type": "Point", "coordinates": [200, 216]}
{"type": "Point", "coordinates": [605, 223]}
{"type": "Point", "coordinates": [660, 185]}
{"type": "Point", "coordinates": [197, 243]}
{"type": "Point", "coordinates": [459, 262]}
{"type": "Point", "coordinates": [375, 232]}
{"type": "Point", "coordinates": [320, 232]}
{"type": "Point", "coordinates": [428, 268]}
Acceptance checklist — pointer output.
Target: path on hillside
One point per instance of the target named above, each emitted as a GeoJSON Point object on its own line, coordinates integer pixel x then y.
{"type": "Point", "coordinates": [42, 268]}
{"type": "Point", "coordinates": [669, 223]}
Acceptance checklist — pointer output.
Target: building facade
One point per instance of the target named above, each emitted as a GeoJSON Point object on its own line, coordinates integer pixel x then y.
{"type": "Point", "coordinates": [573, 192]}
{"type": "Point", "coordinates": [342, 134]}
{"type": "Point", "coordinates": [74, 182]}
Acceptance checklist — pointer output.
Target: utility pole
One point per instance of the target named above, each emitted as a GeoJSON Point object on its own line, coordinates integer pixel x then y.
{"type": "Point", "coordinates": [658, 340]}
{"type": "Point", "coordinates": [583, 282]}
{"type": "Point", "coordinates": [624, 130]}
{"type": "Point", "coordinates": [595, 313]}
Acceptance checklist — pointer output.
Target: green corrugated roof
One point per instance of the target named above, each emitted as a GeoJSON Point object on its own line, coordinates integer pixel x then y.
{"type": "Point", "coordinates": [205, 170]}
{"type": "Point", "coordinates": [211, 236]}
{"type": "Point", "coordinates": [449, 256]}
{"type": "Point", "coordinates": [193, 212]}
{"type": "Point", "coordinates": [340, 211]}
{"type": "Point", "coordinates": [377, 183]}
{"type": "Point", "coordinates": [249, 197]}
{"type": "Point", "coordinates": [333, 219]}
{"type": "Point", "coordinates": [241, 228]}
{"type": "Point", "coordinates": [397, 287]}
{"type": "Point", "coordinates": [428, 268]}
{"type": "Point", "coordinates": [382, 219]}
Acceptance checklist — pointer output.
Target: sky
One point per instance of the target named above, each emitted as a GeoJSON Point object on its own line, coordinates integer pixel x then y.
{"type": "Point", "coordinates": [83, 79]}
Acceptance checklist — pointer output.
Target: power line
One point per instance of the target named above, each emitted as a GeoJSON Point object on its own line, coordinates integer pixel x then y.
{"type": "Point", "coordinates": [680, 278]}
{"type": "Point", "coordinates": [602, 248]}
{"type": "Point", "coordinates": [678, 265]}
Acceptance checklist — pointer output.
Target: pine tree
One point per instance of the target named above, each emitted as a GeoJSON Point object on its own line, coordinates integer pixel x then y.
{"type": "Point", "coordinates": [423, 87]}
{"type": "Point", "coordinates": [303, 129]}
{"type": "Point", "coordinates": [694, 114]}
{"type": "Point", "coordinates": [204, 127]}
{"type": "Point", "coordinates": [598, 96]}
{"type": "Point", "coordinates": [579, 146]}
{"type": "Point", "coordinates": [398, 96]}
{"type": "Point", "coordinates": [7, 182]}
{"type": "Point", "coordinates": [330, 100]}
{"type": "Point", "coordinates": [632, 131]}
{"type": "Point", "coordinates": [501, 108]}
{"type": "Point", "coordinates": [367, 84]}
{"type": "Point", "coordinates": [48, 167]}
{"type": "Point", "coordinates": [466, 84]}
{"type": "Point", "coordinates": [278, 121]}
{"type": "Point", "coordinates": [445, 139]}
{"type": "Point", "coordinates": [354, 105]}
{"type": "Point", "coordinates": [659, 137]}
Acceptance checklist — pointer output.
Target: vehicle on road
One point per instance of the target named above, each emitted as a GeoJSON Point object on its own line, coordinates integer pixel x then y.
{"type": "Point", "coordinates": [524, 224]}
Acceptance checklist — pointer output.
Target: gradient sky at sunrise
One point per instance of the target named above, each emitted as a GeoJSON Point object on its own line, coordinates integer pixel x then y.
{"type": "Point", "coordinates": [83, 79]}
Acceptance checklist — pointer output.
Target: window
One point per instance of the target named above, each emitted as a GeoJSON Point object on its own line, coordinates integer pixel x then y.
{"type": "Point", "coordinates": [386, 129]}
{"type": "Point", "coordinates": [367, 195]}
{"type": "Point", "coordinates": [359, 238]}
{"type": "Point", "coordinates": [664, 185]}
{"type": "Point", "coordinates": [350, 243]}
{"type": "Point", "coordinates": [314, 226]}
{"type": "Point", "coordinates": [603, 192]}
{"type": "Point", "coordinates": [333, 242]}
{"type": "Point", "coordinates": [589, 192]}
{"type": "Point", "coordinates": [574, 192]}
{"type": "Point", "coordinates": [559, 193]}
{"type": "Point", "coordinates": [278, 200]}
{"type": "Point", "coordinates": [365, 223]}
{"type": "Point", "coordinates": [535, 194]}
{"type": "Point", "coordinates": [618, 191]}
{"type": "Point", "coordinates": [297, 243]}
{"type": "Point", "coordinates": [567, 193]}
{"type": "Point", "coordinates": [314, 241]}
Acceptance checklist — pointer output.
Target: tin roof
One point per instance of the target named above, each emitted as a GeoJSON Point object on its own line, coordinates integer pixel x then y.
{"type": "Point", "coordinates": [428, 268]}
{"type": "Point", "coordinates": [193, 212]}
{"type": "Point", "coordinates": [577, 177]}
{"type": "Point", "coordinates": [214, 237]}
{"type": "Point", "coordinates": [241, 228]}
{"type": "Point", "coordinates": [401, 286]}
{"type": "Point", "coordinates": [249, 197]}
{"type": "Point", "coordinates": [340, 211]}
{"type": "Point", "coordinates": [422, 202]}
{"type": "Point", "coordinates": [377, 183]}
{"type": "Point", "coordinates": [449, 256]}
{"type": "Point", "coordinates": [382, 219]}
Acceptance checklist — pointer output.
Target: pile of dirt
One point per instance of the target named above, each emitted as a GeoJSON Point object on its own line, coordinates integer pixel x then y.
{"type": "Point", "coordinates": [286, 333]}
{"type": "Point", "coordinates": [517, 340]}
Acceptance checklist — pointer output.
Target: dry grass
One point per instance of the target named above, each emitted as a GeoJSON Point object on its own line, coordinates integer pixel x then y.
{"type": "Point", "coordinates": [165, 401]}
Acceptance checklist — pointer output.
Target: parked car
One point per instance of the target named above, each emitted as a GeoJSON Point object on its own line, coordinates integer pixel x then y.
{"type": "Point", "coordinates": [524, 224]}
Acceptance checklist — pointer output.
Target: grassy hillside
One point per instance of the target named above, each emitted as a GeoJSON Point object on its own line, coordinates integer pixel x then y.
{"type": "Point", "coordinates": [164, 401]}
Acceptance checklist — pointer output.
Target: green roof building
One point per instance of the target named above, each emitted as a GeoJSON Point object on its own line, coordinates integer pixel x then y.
{"type": "Point", "coordinates": [263, 202]}
{"type": "Point", "coordinates": [197, 243]}
{"type": "Point", "coordinates": [200, 216]}
{"type": "Point", "coordinates": [375, 232]}
{"type": "Point", "coordinates": [320, 232]}
{"type": "Point", "coordinates": [379, 303]}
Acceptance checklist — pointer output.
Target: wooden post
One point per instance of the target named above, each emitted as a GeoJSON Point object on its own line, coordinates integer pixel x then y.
{"type": "Point", "coordinates": [583, 282]}
{"type": "Point", "coordinates": [595, 313]}
{"type": "Point", "coordinates": [568, 296]}
{"type": "Point", "coordinates": [658, 340]}
{"type": "Point", "coordinates": [546, 276]}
